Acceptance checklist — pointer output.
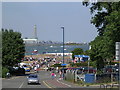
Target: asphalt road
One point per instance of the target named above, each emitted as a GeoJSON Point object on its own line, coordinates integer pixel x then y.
{"type": "Point", "coordinates": [21, 81]}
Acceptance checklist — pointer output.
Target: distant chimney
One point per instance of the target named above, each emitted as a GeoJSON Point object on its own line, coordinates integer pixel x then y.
{"type": "Point", "coordinates": [35, 32]}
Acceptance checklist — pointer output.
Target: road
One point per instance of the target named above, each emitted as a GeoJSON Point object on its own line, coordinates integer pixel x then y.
{"type": "Point", "coordinates": [21, 81]}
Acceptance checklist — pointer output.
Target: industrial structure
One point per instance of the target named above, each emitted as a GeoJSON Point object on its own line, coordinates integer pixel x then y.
{"type": "Point", "coordinates": [35, 32]}
{"type": "Point", "coordinates": [33, 40]}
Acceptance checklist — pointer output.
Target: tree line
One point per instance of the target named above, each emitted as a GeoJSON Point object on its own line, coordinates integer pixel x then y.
{"type": "Point", "coordinates": [106, 18]}
{"type": "Point", "coordinates": [13, 49]}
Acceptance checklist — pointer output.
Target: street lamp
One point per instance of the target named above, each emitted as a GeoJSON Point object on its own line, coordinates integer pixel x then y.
{"type": "Point", "coordinates": [63, 50]}
{"type": "Point", "coordinates": [88, 64]}
{"type": "Point", "coordinates": [63, 43]}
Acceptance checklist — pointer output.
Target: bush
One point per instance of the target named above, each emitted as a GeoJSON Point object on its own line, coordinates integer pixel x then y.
{"type": "Point", "coordinates": [11, 70]}
{"type": "Point", "coordinates": [79, 64]}
{"type": "Point", "coordinates": [92, 63]}
{"type": "Point", "coordinates": [57, 65]}
{"type": "Point", "coordinates": [21, 71]}
{"type": "Point", "coordinates": [113, 63]}
{"type": "Point", "coordinates": [4, 72]}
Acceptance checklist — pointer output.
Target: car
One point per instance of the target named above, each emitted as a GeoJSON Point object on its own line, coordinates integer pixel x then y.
{"type": "Point", "coordinates": [33, 79]}
{"type": "Point", "coordinates": [27, 69]}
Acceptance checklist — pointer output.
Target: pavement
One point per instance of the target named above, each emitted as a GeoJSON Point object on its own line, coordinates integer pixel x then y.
{"type": "Point", "coordinates": [60, 83]}
{"type": "Point", "coordinates": [56, 83]}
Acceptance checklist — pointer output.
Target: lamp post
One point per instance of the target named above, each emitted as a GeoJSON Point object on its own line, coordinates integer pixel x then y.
{"type": "Point", "coordinates": [63, 43]}
{"type": "Point", "coordinates": [63, 50]}
{"type": "Point", "coordinates": [88, 64]}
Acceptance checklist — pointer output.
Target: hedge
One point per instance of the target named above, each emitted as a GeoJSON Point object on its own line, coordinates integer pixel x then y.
{"type": "Point", "coordinates": [4, 72]}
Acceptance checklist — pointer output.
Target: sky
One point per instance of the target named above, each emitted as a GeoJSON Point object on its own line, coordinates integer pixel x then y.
{"type": "Point", "coordinates": [49, 17]}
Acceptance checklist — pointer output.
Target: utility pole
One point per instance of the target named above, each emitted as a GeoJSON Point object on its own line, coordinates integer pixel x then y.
{"type": "Point", "coordinates": [63, 51]}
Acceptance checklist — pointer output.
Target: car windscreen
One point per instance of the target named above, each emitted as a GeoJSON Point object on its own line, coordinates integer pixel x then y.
{"type": "Point", "coordinates": [33, 76]}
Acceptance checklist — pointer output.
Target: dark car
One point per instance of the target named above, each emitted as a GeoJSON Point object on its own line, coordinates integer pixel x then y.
{"type": "Point", "coordinates": [33, 79]}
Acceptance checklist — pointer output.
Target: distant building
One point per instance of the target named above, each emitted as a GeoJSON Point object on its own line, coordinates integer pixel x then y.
{"type": "Point", "coordinates": [30, 41]}
{"type": "Point", "coordinates": [60, 54]}
{"type": "Point", "coordinates": [33, 40]}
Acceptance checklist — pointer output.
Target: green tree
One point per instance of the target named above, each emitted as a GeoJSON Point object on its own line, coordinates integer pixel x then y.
{"type": "Point", "coordinates": [87, 52]}
{"type": "Point", "coordinates": [106, 19]}
{"type": "Point", "coordinates": [104, 14]}
{"type": "Point", "coordinates": [77, 51]}
{"type": "Point", "coordinates": [13, 48]}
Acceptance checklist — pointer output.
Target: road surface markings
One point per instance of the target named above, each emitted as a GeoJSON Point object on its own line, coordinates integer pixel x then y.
{"type": "Point", "coordinates": [15, 77]}
{"type": "Point", "coordinates": [11, 78]}
{"type": "Point", "coordinates": [46, 84]}
{"type": "Point", "coordinates": [21, 85]}
{"type": "Point", "coordinates": [64, 83]}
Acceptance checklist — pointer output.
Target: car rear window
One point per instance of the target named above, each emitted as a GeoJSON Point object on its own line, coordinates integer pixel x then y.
{"type": "Point", "coordinates": [34, 76]}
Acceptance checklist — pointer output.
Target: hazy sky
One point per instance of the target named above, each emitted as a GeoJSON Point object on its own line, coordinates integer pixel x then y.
{"type": "Point", "coordinates": [49, 17]}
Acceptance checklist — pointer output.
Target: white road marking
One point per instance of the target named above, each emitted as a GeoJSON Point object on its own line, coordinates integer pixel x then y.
{"type": "Point", "coordinates": [21, 85]}
{"type": "Point", "coordinates": [64, 83]}
{"type": "Point", "coordinates": [46, 84]}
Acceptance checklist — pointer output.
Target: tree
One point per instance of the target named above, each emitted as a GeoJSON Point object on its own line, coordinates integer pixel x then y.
{"type": "Point", "coordinates": [106, 19]}
{"type": "Point", "coordinates": [13, 48]}
{"type": "Point", "coordinates": [104, 14]}
{"type": "Point", "coordinates": [77, 51]}
{"type": "Point", "coordinates": [87, 52]}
